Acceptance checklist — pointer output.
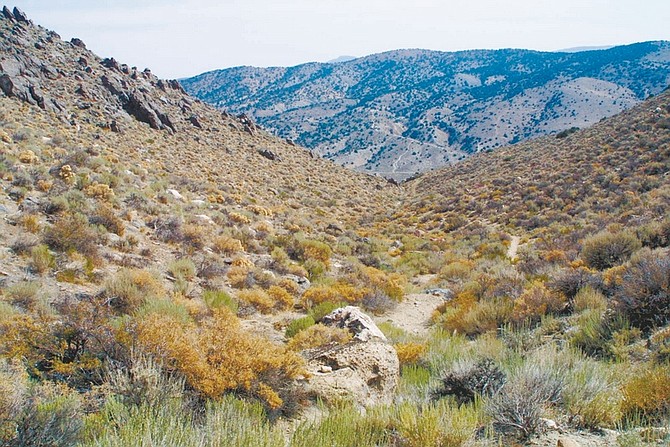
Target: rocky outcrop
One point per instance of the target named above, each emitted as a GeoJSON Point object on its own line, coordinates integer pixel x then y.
{"type": "Point", "coordinates": [358, 323]}
{"type": "Point", "coordinates": [364, 371]}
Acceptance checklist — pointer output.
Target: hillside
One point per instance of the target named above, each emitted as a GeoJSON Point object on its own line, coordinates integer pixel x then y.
{"type": "Point", "coordinates": [174, 276]}
{"type": "Point", "coordinates": [405, 111]}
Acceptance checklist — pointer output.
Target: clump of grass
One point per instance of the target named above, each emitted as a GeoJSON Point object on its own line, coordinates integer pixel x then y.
{"type": "Point", "coordinates": [215, 299]}
{"type": "Point", "coordinates": [24, 293]}
{"type": "Point", "coordinates": [41, 259]}
{"type": "Point", "coordinates": [297, 325]}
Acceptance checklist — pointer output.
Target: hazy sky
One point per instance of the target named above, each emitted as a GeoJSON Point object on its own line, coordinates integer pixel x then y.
{"type": "Point", "coordinates": [187, 37]}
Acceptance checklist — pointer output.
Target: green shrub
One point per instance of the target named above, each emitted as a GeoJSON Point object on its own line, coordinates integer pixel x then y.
{"type": "Point", "coordinates": [298, 325]}
{"type": "Point", "coordinates": [605, 250]}
{"type": "Point", "coordinates": [182, 268]}
{"type": "Point", "coordinates": [41, 259]}
{"type": "Point", "coordinates": [218, 298]}
{"type": "Point", "coordinates": [322, 309]}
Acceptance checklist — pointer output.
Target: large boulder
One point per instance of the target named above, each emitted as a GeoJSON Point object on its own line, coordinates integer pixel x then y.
{"type": "Point", "coordinates": [364, 371]}
{"type": "Point", "coordinates": [356, 321]}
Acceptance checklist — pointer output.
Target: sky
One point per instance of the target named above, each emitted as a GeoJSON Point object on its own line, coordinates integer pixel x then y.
{"type": "Point", "coordinates": [181, 38]}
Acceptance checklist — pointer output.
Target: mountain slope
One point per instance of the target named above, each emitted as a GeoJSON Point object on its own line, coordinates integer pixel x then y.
{"type": "Point", "coordinates": [412, 110]}
{"type": "Point", "coordinates": [152, 124]}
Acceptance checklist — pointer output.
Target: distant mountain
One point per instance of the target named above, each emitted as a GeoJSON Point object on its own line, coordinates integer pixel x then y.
{"type": "Point", "coordinates": [341, 59]}
{"type": "Point", "coordinates": [404, 111]}
{"type": "Point", "coordinates": [587, 48]}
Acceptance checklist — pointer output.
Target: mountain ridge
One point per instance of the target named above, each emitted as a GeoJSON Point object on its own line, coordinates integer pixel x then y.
{"type": "Point", "coordinates": [413, 110]}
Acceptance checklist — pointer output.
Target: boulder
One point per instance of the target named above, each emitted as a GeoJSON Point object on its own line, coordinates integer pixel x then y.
{"type": "Point", "coordinates": [77, 42]}
{"type": "Point", "coordinates": [19, 15]}
{"type": "Point", "coordinates": [365, 370]}
{"type": "Point", "coordinates": [360, 325]}
{"type": "Point", "coordinates": [7, 13]}
{"type": "Point", "coordinates": [267, 153]}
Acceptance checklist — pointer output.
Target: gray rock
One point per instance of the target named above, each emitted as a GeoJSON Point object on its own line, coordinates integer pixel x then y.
{"type": "Point", "coordinates": [267, 153]}
{"type": "Point", "coordinates": [19, 15]}
{"type": "Point", "coordinates": [446, 294]}
{"type": "Point", "coordinates": [356, 321]}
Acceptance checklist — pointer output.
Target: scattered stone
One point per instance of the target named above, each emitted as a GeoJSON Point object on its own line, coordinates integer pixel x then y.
{"type": "Point", "coordinates": [174, 193]}
{"type": "Point", "coordinates": [549, 424]}
{"type": "Point", "coordinates": [193, 119]}
{"type": "Point", "coordinates": [114, 126]}
{"type": "Point", "coordinates": [267, 153]}
{"type": "Point", "coordinates": [446, 294]}
{"type": "Point", "coordinates": [7, 13]}
{"type": "Point", "coordinates": [567, 442]}
{"type": "Point", "coordinates": [356, 321]}
{"type": "Point", "coordinates": [20, 16]}
{"type": "Point", "coordinates": [77, 42]}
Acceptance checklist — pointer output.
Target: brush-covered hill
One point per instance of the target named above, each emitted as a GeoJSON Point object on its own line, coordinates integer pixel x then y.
{"type": "Point", "coordinates": [166, 270]}
{"type": "Point", "coordinates": [405, 111]}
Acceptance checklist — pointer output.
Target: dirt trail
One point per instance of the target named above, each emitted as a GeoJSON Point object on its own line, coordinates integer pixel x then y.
{"type": "Point", "coordinates": [513, 247]}
{"type": "Point", "coordinates": [413, 314]}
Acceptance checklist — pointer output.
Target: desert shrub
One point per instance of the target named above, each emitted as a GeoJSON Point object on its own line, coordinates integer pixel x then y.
{"type": "Point", "coordinates": [458, 270]}
{"type": "Point", "coordinates": [377, 302]}
{"type": "Point", "coordinates": [238, 276]}
{"type": "Point", "coordinates": [468, 380]}
{"type": "Point", "coordinates": [174, 307]}
{"type": "Point", "coordinates": [142, 380]}
{"type": "Point", "coordinates": [570, 281]}
{"type": "Point", "coordinates": [23, 294]}
{"type": "Point", "coordinates": [182, 268]}
{"type": "Point", "coordinates": [298, 325]}
{"type": "Point", "coordinates": [535, 302]}
{"type": "Point", "coordinates": [104, 215]}
{"type": "Point", "coordinates": [315, 268]}
{"type": "Point", "coordinates": [647, 393]}
{"type": "Point", "coordinates": [53, 418]}
{"type": "Point", "coordinates": [219, 356]}
{"type": "Point", "coordinates": [283, 299]}
{"type": "Point", "coordinates": [129, 288]}
{"type": "Point", "coordinates": [289, 285]}
{"type": "Point", "coordinates": [315, 250]}
{"type": "Point", "coordinates": [450, 314]}
{"type": "Point", "coordinates": [194, 236]}
{"type": "Point", "coordinates": [72, 232]}
{"type": "Point", "coordinates": [227, 245]}
{"type": "Point", "coordinates": [655, 234]}
{"type": "Point", "coordinates": [13, 398]}
{"type": "Point", "coordinates": [318, 335]}
{"type": "Point", "coordinates": [215, 299]}
{"type": "Point", "coordinates": [343, 426]}
{"type": "Point", "coordinates": [644, 294]}
{"type": "Point", "coordinates": [41, 259]}
{"type": "Point", "coordinates": [410, 353]}
{"type": "Point", "coordinates": [322, 309]}
{"type": "Point", "coordinates": [589, 298]}
{"type": "Point", "coordinates": [24, 244]}
{"type": "Point", "coordinates": [168, 229]}
{"type": "Point", "coordinates": [258, 299]}
{"type": "Point", "coordinates": [591, 395]}
{"type": "Point", "coordinates": [31, 223]}
{"type": "Point", "coordinates": [337, 292]}
{"type": "Point", "coordinates": [605, 250]}
{"type": "Point", "coordinates": [487, 315]}
{"type": "Point", "coordinates": [660, 345]}
{"type": "Point", "coordinates": [592, 334]}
